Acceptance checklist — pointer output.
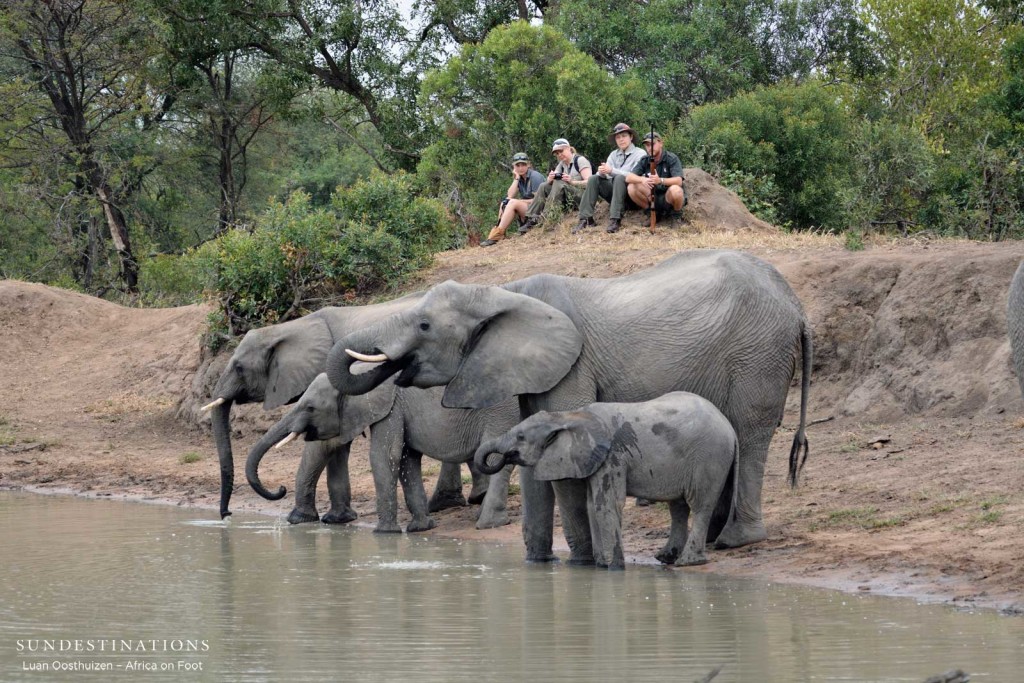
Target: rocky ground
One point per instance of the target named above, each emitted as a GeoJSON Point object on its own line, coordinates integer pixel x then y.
{"type": "Point", "coordinates": [914, 484]}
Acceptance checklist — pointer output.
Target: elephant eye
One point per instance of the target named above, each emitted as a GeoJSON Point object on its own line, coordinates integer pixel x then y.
{"type": "Point", "coordinates": [521, 437]}
{"type": "Point", "coordinates": [424, 326]}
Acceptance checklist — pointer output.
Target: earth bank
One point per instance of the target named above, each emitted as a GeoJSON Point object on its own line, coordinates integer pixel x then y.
{"type": "Point", "coordinates": [912, 487]}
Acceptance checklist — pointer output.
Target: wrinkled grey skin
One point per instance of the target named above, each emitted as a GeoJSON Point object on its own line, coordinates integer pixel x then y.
{"type": "Point", "coordinates": [1015, 322]}
{"type": "Point", "coordinates": [275, 364]}
{"type": "Point", "coordinates": [721, 324]}
{"type": "Point", "coordinates": [404, 424]}
{"type": "Point", "coordinates": [677, 448]}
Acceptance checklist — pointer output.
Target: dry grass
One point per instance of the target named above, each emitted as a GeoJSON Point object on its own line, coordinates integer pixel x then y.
{"type": "Point", "coordinates": [127, 403]}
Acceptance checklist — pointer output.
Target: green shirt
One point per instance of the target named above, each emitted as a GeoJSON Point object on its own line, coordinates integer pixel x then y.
{"type": "Point", "coordinates": [668, 167]}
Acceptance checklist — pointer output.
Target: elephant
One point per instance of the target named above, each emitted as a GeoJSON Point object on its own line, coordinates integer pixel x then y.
{"type": "Point", "coordinates": [275, 364]}
{"type": "Point", "coordinates": [404, 424]}
{"type": "Point", "coordinates": [1015, 322]}
{"type": "Point", "coordinates": [677, 448]}
{"type": "Point", "coordinates": [722, 324]}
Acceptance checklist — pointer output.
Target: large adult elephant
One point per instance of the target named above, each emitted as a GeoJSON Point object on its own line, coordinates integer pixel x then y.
{"type": "Point", "coordinates": [275, 364]}
{"type": "Point", "coordinates": [1015, 322]}
{"type": "Point", "coordinates": [721, 324]}
{"type": "Point", "coordinates": [404, 424]}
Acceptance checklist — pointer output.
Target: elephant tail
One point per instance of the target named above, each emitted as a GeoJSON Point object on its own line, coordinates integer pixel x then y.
{"type": "Point", "coordinates": [735, 479]}
{"type": "Point", "coordinates": [800, 438]}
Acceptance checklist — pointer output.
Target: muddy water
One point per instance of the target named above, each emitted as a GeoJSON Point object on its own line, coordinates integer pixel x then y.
{"type": "Point", "coordinates": [158, 593]}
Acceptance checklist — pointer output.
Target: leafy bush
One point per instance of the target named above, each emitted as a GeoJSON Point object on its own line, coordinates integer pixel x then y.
{"type": "Point", "coordinates": [797, 136]}
{"type": "Point", "coordinates": [297, 256]}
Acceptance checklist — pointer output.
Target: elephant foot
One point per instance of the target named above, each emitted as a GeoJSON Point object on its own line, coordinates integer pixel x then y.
{"type": "Point", "coordinates": [420, 525]}
{"type": "Point", "coordinates": [614, 566]}
{"type": "Point", "coordinates": [476, 495]}
{"type": "Point", "coordinates": [387, 528]}
{"type": "Point", "coordinates": [445, 500]}
{"type": "Point", "coordinates": [643, 502]}
{"type": "Point", "coordinates": [739, 534]}
{"type": "Point", "coordinates": [667, 555]}
{"type": "Point", "coordinates": [297, 516]}
{"type": "Point", "coordinates": [492, 520]}
{"type": "Point", "coordinates": [343, 516]}
{"type": "Point", "coordinates": [692, 559]}
{"type": "Point", "coordinates": [538, 558]}
{"type": "Point", "coordinates": [582, 560]}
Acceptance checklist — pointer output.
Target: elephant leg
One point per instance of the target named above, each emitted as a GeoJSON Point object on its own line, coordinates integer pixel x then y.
{"type": "Point", "coordinates": [606, 496]}
{"type": "Point", "coordinates": [386, 443]}
{"type": "Point", "coordinates": [494, 508]}
{"type": "Point", "coordinates": [448, 491]}
{"type": "Point", "coordinates": [572, 505]}
{"type": "Point", "coordinates": [693, 551]}
{"type": "Point", "coordinates": [538, 516]}
{"type": "Point", "coordinates": [314, 460]}
{"type": "Point", "coordinates": [415, 495]}
{"type": "Point", "coordinates": [680, 512]}
{"type": "Point", "coordinates": [747, 524]}
{"type": "Point", "coordinates": [481, 485]}
{"type": "Point", "coordinates": [339, 487]}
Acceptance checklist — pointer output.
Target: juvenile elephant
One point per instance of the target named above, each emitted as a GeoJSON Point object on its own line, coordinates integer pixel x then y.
{"type": "Point", "coordinates": [677, 448]}
{"type": "Point", "coordinates": [404, 424]}
{"type": "Point", "coordinates": [275, 364]}
{"type": "Point", "coordinates": [721, 324]}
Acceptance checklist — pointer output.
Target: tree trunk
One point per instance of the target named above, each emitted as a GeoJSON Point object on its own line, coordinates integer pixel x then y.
{"type": "Point", "coordinates": [118, 227]}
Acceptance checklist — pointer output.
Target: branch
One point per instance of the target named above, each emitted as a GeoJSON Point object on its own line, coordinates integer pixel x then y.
{"type": "Point", "coordinates": [361, 146]}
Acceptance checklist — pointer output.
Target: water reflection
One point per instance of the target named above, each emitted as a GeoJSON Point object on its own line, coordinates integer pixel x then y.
{"type": "Point", "coordinates": [316, 603]}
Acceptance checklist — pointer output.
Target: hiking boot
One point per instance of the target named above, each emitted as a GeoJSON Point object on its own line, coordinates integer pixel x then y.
{"type": "Point", "coordinates": [488, 243]}
{"type": "Point", "coordinates": [613, 225]}
{"type": "Point", "coordinates": [582, 225]}
{"type": "Point", "coordinates": [529, 224]}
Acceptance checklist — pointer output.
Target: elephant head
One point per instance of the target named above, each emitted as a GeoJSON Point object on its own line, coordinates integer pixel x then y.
{"type": "Point", "coordinates": [321, 413]}
{"type": "Point", "coordinates": [485, 343]}
{"type": "Point", "coordinates": [273, 364]}
{"type": "Point", "coordinates": [571, 445]}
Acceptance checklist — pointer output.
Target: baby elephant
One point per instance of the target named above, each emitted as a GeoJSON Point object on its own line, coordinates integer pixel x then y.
{"type": "Point", "coordinates": [677, 448]}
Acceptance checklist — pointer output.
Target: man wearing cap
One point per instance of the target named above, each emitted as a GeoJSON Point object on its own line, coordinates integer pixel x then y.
{"type": "Point", "coordinates": [525, 182]}
{"type": "Point", "coordinates": [609, 183]}
{"type": "Point", "coordinates": [564, 184]}
{"type": "Point", "coordinates": [666, 183]}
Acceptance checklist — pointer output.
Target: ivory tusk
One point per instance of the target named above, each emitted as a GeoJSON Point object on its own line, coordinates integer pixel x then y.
{"type": "Point", "coordinates": [379, 358]}
{"type": "Point", "coordinates": [212, 404]}
{"type": "Point", "coordinates": [290, 437]}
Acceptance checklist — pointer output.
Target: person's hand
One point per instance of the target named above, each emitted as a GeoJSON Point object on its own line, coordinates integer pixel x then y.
{"type": "Point", "coordinates": [516, 176]}
{"type": "Point", "coordinates": [604, 169]}
{"type": "Point", "coordinates": [551, 176]}
{"type": "Point", "coordinates": [653, 181]}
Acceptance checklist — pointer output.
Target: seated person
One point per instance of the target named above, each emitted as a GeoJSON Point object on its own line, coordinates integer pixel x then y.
{"type": "Point", "coordinates": [609, 183]}
{"type": "Point", "coordinates": [564, 185]}
{"type": "Point", "coordinates": [525, 181]}
{"type": "Point", "coordinates": [666, 184]}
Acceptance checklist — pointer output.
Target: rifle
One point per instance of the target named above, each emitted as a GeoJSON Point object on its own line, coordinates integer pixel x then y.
{"type": "Point", "coordinates": [654, 171]}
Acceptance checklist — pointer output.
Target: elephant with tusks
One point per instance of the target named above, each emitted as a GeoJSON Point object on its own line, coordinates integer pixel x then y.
{"type": "Point", "coordinates": [275, 364]}
{"type": "Point", "coordinates": [721, 324]}
{"type": "Point", "coordinates": [404, 424]}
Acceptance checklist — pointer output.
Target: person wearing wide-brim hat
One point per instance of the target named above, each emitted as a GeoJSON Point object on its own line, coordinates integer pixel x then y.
{"type": "Point", "coordinates": [564, 185]}
{"type": "Point", "coordinates": [525, 181]}
{"type": "Point", "coordinates": [666, 184]}
{"type": "Point", "coordinates": [609, 183]}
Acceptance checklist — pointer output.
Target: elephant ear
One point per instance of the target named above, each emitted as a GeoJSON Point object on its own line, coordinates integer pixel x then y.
{"type": "Point", "coordinates": [521, 346]}
{"type": "Point", "coordinates": [574, 451]}
{"type": "Point", "coordinates": [359, 412]}
{"type": "Point", "coordinates": [298, 355]}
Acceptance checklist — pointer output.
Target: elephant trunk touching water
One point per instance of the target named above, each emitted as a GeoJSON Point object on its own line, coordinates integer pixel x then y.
{"type": "Point", "coordinates": [220, 422]}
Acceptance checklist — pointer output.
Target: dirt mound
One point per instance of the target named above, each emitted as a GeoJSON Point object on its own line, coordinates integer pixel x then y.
{"type": "Point", "coordinates": [716, 206]}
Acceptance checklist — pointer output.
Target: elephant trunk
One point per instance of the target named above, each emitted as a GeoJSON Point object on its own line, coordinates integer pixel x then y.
{"type": "Point", "coordinates": [252, 465]}
{"type": "Point", "coordinates": [480, 458]}
{"type": "Point", "coordinates": [365, 342]}
{"type": "Point", "coordinates": [220, 420]}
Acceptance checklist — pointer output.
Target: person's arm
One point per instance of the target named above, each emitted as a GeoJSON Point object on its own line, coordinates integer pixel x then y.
{"type": "Point", "coordinates": [585, 171]}
{"type": "Point", "coordinates": [513, 189]}
{"type": "Point", "coordinates": [636, 176]}
{"type": "Point", "coordinates": [675, 169]}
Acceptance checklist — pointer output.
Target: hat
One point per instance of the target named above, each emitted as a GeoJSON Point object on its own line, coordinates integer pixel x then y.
{"type": "Point", "coordinates": [656, 135]}
{"type": "Point", "coordinates": [559, 144]}
{"type": "Point", "coordinates": [621, 128]}
{"type": "Point", "coordinates": [520, 158]}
